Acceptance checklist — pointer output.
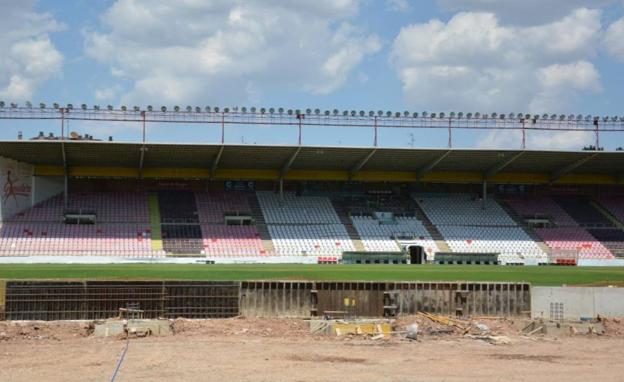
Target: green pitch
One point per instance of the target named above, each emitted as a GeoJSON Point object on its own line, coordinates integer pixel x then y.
{"type": "Point", "coordinates": [534, 275]}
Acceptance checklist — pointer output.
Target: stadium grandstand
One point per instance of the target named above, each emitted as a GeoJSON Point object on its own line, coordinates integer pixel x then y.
{"type": "Point", "coordinates": [82, 199]}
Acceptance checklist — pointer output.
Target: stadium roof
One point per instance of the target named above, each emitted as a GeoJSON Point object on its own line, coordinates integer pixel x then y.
{"type": "Point", "coordinates": [353, 160]}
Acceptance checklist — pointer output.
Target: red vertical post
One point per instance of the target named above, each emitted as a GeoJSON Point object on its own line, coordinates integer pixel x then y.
{"type": "Point", "coordinates": [143, 116]}
{"type": "Point", "coordinates": [597, 136]}
{"type": "Point", "coordinates": [523, 136]}
{"type": "Point", "coordinates": [450, 135]}
{"type": "Point", "coordinates": [375, 127]}
{"type": "Point", "coordinates": [223, 128]}
{"type": "Point", "coordinates": [62, 124]}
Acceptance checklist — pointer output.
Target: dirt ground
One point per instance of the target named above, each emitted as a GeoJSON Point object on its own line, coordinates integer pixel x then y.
{"type": "Point", "coordinates": [283, 350]}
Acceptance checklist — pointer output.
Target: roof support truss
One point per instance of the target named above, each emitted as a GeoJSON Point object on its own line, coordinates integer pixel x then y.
{"type": "Point", "coordinates": [420, 173]}
{"type": "Point", "coordinates": [215, 162]}
{"type": "Point", "coordinates": [571, 167]}
{"type": "Point", "coordinates": [501, 165]}
{"type": "Point", "coordinates": [361, 163]}
{"type": "Point", "coordinates": [286, 166]}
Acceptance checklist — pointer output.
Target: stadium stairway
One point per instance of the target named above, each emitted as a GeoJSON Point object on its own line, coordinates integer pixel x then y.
{"type": "Point", "coordinates": [607, 214]}
{"type": "Point", "coordinates": [181, 232]}
{"type": "Point", "coordinates": [256, 213]}
{"type": "Point", "coordinates": [431, 228]}
{"type": "Point", "coordinates": [521, 223]}
{"type": "Point", "coordinates": [154, 213]}
{"type": "Point", "coordinates": [346, 221]}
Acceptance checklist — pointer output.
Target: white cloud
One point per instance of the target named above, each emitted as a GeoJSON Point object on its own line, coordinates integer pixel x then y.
{"type": "Point", "coordinates": [28, 57]}
{"type": "Point", "coordinates": [399, 5]}
{"type": "Point", "coordinates": [229, 51]}
{"type": "Point", "coordinates": [474, 63]}
{"type": "Point", "coordinates": [614, 40]}
{"type": "Point", "coordinates": [523, 12]}
{"type": "Point", "coordinates": [537, 140]}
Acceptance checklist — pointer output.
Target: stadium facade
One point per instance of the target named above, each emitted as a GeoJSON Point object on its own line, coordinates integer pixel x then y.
{"type": "Point", "coordinates": [113, 201]}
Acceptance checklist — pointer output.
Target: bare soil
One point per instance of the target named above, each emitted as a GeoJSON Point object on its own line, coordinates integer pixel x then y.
{"type": "Point", "coordinates": [283, 350]}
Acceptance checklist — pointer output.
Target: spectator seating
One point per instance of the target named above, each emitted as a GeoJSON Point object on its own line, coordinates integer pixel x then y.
{"type": "Point", "coordinates": [213, 206]}
{"type": "Point", "coordinates": [463, 209]}
{"type": "Point", "coordinates": [227, 241]}
{"type": "Point", "coordinates": [296, 209]}
{"type": "Point", "coordinates": [310, 239]}
{"type": "Point", "coordinates": [583, 212]}
{"type": "Point", "coordinates": [47, 238]}
{"type": "Point", "coordinates": [406, 231]}
{"type": "Point", "coordinates": [614, 205]}
{"type": "Point", "coordinates": [566, 234]}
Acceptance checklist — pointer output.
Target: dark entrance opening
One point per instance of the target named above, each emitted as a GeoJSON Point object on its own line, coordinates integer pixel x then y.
{"type": "Point", "coordinates": [417, 255]}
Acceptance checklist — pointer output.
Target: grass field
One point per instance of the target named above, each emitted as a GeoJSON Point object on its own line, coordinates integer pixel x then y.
{"type": "Point", "coordinates": [534, 275]}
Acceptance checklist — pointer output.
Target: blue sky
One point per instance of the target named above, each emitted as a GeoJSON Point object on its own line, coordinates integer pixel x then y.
{"type": "Point", "coordinates": [557, 56]}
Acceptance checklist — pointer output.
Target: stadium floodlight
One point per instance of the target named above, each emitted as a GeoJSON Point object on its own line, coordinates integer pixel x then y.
{"type": "Point", "coordinates": [262, 110]}
{"type": "Point", "coordinates": [501, 116]}
{"type": "Point", "coordinates": [371, 113]}
{"type": "Point", "coordinates": [513, 116]}
{"type": "Point", "coordinates": [289, 112]}
{"type": "Point", "coordinates": [397, 115]}
{"type": "Point", "coordinates": [327, 113]}
{"type": "Point", "coordinates": [197, 109]}
{"type": "Point", "coordinates": [469, 115]}
{"type": "Point", "coordinates": [562, 117]}
{"type": "Point", "coordinates": [69, 106]}
{"type": "Point", "coordinates": [605, 118]}
{"type": "Point", "coordinates": [54, 105]}
{"type": "Point", "coordinates": [579, 117]}
{"type": "Point", "coordinates": [243, 110]}
{"type": "Point", "coordinates": [150, 108]}
{"type": "Point", "coordinates": [441, 115]}
{"type": "Point", "coordinates": [353, 113]}
{"type": "Point", "coordinates": [216, 109]}
{"type": "Point", "coordinates": [494, 115]}
{"type": "Point", "coordinates": [477, 115]}
{"type": "Point", "coordinates": [544, 116]}
{"type": "Point", "coordinates": [189, 108]}
{"type": "Point", "coordinates": [42, 105]}
{"type": "Point", "coordinates": [297, 112]}
{"type": "Point", "coordinates": [108, 107]}
{"type": "Point", "coordinates": [317, 111]}
{"type": "Point", "coordinates": [226, 109]}
{"type": "Point", "coordinates": [28, 104]}
{"type": "Point", "coordinates": [13, 105]}
{"type": "Point", "coordinates": [271, 110]}
{"type": "Point", "coordinates": [424, 114]}
{"type": "Point", "coordinates": [2, 104]}
{"type": "Point", "coordinates": [460, 115]}
{"type": "Point", "coordinates": [163, 109]}
{"type": "Point", "coordinates": [452, 114]}
{"type": "Point", "coordinates": [83, 106]}
{"type": "Point", "coordinates": [280, 110]}
{"type": "Point", "coordinates": [614, 118]}
{"type": "Point", "coordinates": [308, 111]}
{"type": "Point", "coordinates": [433, 115]}
{"type": "Point", "coordinates": [553, 117]}
{"type": "Point", "coordinates": [388, 114]}
{"type": "Point", "coordinates": [124, 108]}
{"type": "Point", "coordinates": [253, 109]}
{"type": "Point", "coordinates": [380, 113]}
{"type": "Point", "coordinates": [176, 108]}
{"type": "Point", "coordinates": [588, 118]}
{"type": "Point", "coordinates": [406, 113]}
{"type": "Point", "coordinates": [96, 107]}
{"type": "Point", "coordinates": [207, 109]}
{"type": "Point", "coordinates": [362, 113]}
{"type": "Point", "coordinates": [415, 115]}
{"type": "Point", "coordinates": [136, 108]}
{"type": "Point", "coordinates": [345, 113]}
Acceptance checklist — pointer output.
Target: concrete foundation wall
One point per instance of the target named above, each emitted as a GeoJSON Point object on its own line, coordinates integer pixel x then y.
{"type": "Point", "coordinates": [572, 303]}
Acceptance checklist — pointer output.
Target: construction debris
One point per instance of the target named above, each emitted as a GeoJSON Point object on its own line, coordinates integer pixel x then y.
{"type": "Point", "coordinates": [340, 328]}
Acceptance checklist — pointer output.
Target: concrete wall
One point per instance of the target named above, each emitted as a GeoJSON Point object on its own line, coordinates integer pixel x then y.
{"type": "Point", "coordinates": [45, 187]}
{"type": "Point", "coordinates": [15, 187]}
{"type": "Point", "coordinates": [576, 302]}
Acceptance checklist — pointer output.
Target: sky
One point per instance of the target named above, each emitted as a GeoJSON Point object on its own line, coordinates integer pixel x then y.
{"type": "Point", "coordinates": [505, 56]}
